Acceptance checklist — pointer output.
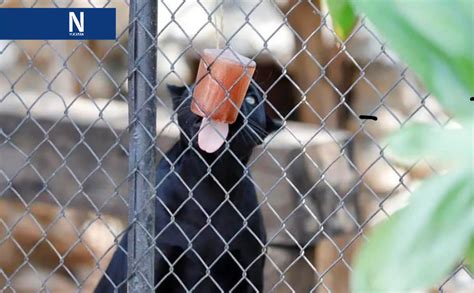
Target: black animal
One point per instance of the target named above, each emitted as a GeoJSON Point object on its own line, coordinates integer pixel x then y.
{"type": "Point", "coordinates": [215, 241]}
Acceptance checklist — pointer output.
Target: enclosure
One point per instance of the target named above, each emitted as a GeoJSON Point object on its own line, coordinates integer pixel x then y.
{"type": "Point", "coordinates": [72, 181]}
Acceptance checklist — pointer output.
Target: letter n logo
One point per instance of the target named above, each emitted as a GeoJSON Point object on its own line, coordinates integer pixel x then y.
{"type": "Point", "coordinates": [78, 23]}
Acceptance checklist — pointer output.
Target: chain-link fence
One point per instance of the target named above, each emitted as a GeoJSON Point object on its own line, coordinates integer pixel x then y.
{"type": "Point", "coordinates": [79, 152]}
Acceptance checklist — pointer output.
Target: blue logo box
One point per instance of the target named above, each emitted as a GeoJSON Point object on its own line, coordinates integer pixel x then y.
{"type": "Point", "coordinates": [57, 23]}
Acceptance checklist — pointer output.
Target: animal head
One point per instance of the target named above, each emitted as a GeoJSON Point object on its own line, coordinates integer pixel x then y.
{"type": "Point", "coordinates": [250, 129]}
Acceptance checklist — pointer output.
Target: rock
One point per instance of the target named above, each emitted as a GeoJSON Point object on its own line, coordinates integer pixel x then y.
{"type": "Point", "coordinates": [29, 280]}
{"type": "Point", "coordinates": [51, 239]}
{"type": "Point", "coordinates": [380, 174]}
{"type": "Point", "coordinates": [376, 208]}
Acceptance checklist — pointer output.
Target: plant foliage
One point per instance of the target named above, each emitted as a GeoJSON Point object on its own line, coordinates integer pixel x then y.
{"type": "Point", "coordinates": [420, 244]}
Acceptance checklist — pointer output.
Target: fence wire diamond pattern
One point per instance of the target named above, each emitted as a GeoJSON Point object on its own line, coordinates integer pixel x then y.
{"type": "Point", "coordinates": [79, 146]}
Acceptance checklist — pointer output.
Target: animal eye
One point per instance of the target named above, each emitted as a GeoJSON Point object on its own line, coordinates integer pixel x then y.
{"type": "Point", "coordinates": [250, 100]}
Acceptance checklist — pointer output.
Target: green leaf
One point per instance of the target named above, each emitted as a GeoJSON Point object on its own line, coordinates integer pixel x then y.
{"type": "Point", "coordinates": [343, 17]}
{"type": "Point", "coordinates": [420, 244]}
{"type": "Point", "coordinates": [433, 143]}
{"type": "Point", "coordinates": [470, 256]}
{"type": "Point", "coordinates": [435, 38]}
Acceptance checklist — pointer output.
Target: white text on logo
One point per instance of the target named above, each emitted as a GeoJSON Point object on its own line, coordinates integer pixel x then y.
{"type": "Point", "coordinates": [78, 23]}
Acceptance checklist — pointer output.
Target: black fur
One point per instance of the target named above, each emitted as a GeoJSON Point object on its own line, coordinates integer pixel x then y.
{"type": "Point", "coordinates": [211, 210]}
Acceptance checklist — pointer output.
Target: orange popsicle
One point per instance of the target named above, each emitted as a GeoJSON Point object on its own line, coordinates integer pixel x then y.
{"type": "Point", "coordinates": [221, 84]}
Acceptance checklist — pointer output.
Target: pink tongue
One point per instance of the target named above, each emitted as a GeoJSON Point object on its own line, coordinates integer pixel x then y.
{"type": "Point", "coordinates": [212, 135]}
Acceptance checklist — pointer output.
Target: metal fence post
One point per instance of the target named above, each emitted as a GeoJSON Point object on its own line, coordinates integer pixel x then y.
{"type": "Point", "coordinates": [142, 117]}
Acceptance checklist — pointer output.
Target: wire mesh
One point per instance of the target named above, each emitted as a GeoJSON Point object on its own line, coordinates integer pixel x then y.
{"type": "Point", "coordinates": [66, 185]}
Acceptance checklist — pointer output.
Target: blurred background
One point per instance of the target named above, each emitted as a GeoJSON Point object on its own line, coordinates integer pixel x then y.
{"type": "Point", "coordinates": [324, 181]}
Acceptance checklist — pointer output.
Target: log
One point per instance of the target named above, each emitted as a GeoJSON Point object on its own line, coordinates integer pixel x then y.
{"type": "Point", "coordinates": [321, 72]}
{"type": "Point", "coordinates": [334, 259]}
